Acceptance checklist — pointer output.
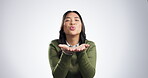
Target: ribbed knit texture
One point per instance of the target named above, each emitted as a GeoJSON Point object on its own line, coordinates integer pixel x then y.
{"type": "Point", "coordinates": [79, 65]}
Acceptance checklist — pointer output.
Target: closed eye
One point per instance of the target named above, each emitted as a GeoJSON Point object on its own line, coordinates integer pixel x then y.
{"type": "Point", "coordinates": [76, 20]}
{"type": "Point", "coordinates": [67, 20]}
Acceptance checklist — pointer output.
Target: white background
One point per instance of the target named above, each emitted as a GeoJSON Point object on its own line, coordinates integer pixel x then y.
{"type": "Point", "coordinates": [118, 27]}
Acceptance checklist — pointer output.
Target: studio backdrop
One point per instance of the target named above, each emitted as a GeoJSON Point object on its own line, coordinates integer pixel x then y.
{"type": "Point", "coordinates": [119, 29]}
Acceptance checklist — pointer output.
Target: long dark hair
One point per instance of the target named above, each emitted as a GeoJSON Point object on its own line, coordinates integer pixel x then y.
{"type": "Point", "coordinates": [62, 36]}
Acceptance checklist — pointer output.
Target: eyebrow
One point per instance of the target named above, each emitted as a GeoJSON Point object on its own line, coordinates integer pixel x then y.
{"type": "Point", "coordinates": [74, 17]}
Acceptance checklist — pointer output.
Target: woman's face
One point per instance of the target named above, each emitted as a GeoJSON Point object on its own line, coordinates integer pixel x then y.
{"type": "Point", "coordinates": [72, 24]}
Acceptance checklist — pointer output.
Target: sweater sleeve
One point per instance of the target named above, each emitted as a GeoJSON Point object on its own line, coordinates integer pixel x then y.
{"type": "Point", "coordinates": [59, 66]}
{"type": "Point", "coordinates": [87, 61]}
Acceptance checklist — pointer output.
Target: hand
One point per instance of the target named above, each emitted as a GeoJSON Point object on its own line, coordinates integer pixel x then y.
{"type": "Point", "coordinates": [65, 48]}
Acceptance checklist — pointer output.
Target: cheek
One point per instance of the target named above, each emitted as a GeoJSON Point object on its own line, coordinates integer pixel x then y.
{"type": "Point", "coordinates": [80, 28]}
{"type": "Point", "coordinates": [65, 27]}
{"type": "Point", "coordinates": [64, 24]}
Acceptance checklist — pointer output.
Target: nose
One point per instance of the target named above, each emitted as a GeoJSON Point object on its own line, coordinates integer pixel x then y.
{"type": "Point", "coordinates": [73, 22]}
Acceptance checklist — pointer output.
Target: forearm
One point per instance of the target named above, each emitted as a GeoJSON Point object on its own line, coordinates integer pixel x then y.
{"type": "Point", "coordinates": [62, 67]}
{"type": "Point", "coordinates": [86, 68]}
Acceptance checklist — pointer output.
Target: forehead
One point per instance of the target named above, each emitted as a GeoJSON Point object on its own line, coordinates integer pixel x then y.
{"type": "Point", "coordinates": [72, 15]}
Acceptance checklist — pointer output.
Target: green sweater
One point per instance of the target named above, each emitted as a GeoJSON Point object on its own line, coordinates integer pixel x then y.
{"type": "Point", "coordinates": [79, 65]}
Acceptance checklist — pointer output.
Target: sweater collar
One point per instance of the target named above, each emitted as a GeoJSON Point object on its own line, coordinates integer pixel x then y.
{"type": "Point", "coordinates": [71, 45]}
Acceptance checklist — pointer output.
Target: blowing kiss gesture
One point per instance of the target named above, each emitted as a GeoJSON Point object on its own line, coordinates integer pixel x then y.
{"type": "Point", "coordinates": [69, 50]}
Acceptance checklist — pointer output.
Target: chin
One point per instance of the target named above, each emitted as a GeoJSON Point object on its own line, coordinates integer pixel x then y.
{"type": "Point", "coordinates": [74, 34]}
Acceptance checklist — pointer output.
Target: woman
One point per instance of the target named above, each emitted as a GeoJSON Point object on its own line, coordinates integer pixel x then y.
{"type": "Point", "coordinates": [72, 55]}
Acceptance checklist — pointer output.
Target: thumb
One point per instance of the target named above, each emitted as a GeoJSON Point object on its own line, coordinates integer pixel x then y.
{"type": "Point", "coordinates": [87, 45]}
{"type": "Point", "coordinates": [62, 45]}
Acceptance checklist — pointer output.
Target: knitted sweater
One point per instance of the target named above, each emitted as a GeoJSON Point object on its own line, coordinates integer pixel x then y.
{"type": "Point", "coordinates": [79, 65]}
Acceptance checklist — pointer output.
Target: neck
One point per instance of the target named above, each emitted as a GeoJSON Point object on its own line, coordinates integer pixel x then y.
{"type": "Point", "coordinates": [72, 40]}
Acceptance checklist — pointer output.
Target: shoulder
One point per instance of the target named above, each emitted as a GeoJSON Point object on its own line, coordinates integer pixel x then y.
{"type": "Point", "coordinates": [54, 42]}
{"type": "Point", "coordinates": [89, 42]}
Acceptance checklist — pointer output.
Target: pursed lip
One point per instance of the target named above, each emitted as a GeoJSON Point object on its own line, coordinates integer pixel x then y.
{"type": "Point", "coordinates": [72, 28]}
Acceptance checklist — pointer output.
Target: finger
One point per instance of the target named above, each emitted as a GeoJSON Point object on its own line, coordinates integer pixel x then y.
{"type": "Point", "coordinates": [71, 49]}
{"type": "Point", "coordinates": [75, 49]}
{"type": "Point", "coordinates": [82, 44]}
{"type": "Point", "coordinates": [82, 48]}
{"type": "Point", "coordinates": [79, 48]}
{"type": "Point", "coordinates": [87, 45]}
{"type": "Point", "coordinates": [62, 45]}
{"type": "Point", "coordinates": [68, 48]}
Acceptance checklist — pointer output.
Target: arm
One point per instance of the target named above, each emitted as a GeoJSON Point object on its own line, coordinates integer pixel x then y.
{"type": "Point", "coordinates": [87, 61]}
{"type": "Point", "coordinates": [59, 66]}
